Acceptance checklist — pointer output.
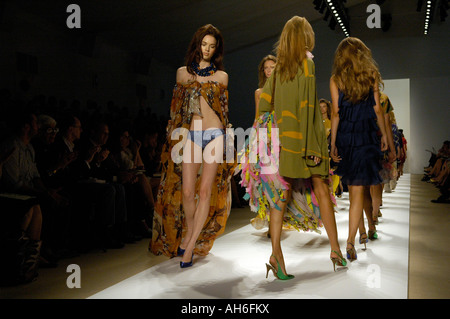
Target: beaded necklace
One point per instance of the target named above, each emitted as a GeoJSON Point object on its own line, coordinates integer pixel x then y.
{"type": "Point", "coordinates": [210, 70]}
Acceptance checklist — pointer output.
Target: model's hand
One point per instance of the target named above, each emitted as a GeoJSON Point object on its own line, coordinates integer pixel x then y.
{"type": "Point", "coordinates": [316, 159]}
{"type": "Point", "coordinates": [334, 154]}
{"type": "Point", "coordinates": [384, 144]}
{"type": "Point", "coordinates": [392, 157]}
{"type": "Point", "coordinates": [102, 155]}
{"type": "Point", "coordinates": [91, 153]}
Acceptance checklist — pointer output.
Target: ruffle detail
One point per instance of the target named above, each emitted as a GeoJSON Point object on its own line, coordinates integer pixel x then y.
{"type": "Point", "coordinates": [358, 143]}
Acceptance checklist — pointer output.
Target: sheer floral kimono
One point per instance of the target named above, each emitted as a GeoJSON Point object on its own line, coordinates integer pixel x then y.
{"type": "Point", "coordinates": [169, 223]}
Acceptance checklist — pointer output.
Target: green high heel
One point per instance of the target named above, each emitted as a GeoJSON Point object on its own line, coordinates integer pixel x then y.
{"type": "Point", "coordinates": [340, 261]}
{"type": "Point", "coordinates": [279, 273]}
{"type": "Point", "coordinates": [373, 234]}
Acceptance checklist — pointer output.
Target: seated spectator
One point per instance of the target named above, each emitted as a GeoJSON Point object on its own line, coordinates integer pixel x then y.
{"type": "Point", "coordinates": [20, 175]}
{"type": "Point", "coordinates": [20, 234]}
{"type": "Point", "coordinates": [96, 165]}
{"type": "Point", "coordinates": [94, 203]}
{"type": "Point", "coordinates": [150, 153]}
{"type": "Point", "coordinates": [438, 172]}
{"type": "Point", "coordinates": [444, 151]}
{"type": "Point", "coordinates": [127, 155]}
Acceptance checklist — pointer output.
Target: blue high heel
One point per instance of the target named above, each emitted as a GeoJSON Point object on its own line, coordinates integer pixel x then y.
{"type": "Point", "coordinates": [180, 252]}
{"type": "Point", "coordinates": [351, 252]}
{"type": "Point", "coordinates": [187, 264]}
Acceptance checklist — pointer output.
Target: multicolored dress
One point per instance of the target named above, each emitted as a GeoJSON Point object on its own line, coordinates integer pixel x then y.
{"type": "Point", "coordinates": [283, 142]}
{"type": "Point", "coordinates": [169, 223]}
{"type": "Point", "coordinates": [389, 170]}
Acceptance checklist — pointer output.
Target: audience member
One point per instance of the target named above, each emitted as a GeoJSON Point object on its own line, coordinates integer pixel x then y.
{"type": "Point", "coordinates": [20, 235]}
{"type": "Point", "coordinates": [126, 152]}
{"type": "Point", "coordinates": [96, 166]}
{"type": "Point", "coordinates": [64, 170]}
{"type": "Point", "coordinates": [438, 171]}
{"type": "Point", "coordinates": [20, 175]}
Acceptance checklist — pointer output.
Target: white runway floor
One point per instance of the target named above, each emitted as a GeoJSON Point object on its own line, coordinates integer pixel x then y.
{"type": "Point", "coordinates": [235, 267]}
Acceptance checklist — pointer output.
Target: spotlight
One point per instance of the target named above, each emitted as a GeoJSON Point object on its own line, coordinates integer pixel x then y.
{"type": "Point", "coordinates": [429, 15]}
{"type": "Point", "coordinates": [338, 13]}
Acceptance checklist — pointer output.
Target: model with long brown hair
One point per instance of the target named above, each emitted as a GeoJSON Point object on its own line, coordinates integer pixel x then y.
{"type": "Point", "coordinates": [356, 118]}
{"type": "Point", "coordinates": [192, 205]}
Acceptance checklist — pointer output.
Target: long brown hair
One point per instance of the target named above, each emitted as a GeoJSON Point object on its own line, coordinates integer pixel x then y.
{"type": "Point", "coordinates": [296, 38]}
{"type": "Point", "coordinates": [328, 103]}
{"type": "Point", "coordinates": [355, 72]}
{"type": "Point", "coordinates": [261, 75]}
{"type": "Point", "coordinates": [194, 52]}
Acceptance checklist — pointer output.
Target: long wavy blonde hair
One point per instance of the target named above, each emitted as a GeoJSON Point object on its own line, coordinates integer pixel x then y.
{"type": "Point", "coordinates": [355, 72]}
{"type": "Point", "coordinates": [296, 38]}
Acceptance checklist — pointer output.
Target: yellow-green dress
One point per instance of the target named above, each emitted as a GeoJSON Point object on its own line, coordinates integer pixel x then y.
{"type": "Point", "coordinates": [169, 224]}
{"type": "Point", "coordinates": [301, 130]}
{"type": "Point", "coordinates": [301, 135]}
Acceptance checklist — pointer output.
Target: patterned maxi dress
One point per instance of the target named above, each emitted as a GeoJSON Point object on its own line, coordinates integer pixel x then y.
{"type": "Point", "coordinates": [169, 223]}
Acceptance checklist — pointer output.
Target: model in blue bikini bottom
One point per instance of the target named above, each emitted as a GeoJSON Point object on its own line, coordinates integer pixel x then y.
{"type": "Point", "coordinates": [202, 138]}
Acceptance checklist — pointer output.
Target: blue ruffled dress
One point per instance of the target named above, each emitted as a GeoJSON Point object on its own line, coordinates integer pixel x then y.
{"type": "Point", "coordinates": [358, 142]}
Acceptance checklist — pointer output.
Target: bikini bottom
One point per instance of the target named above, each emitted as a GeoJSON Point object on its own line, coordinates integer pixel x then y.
{"type": "Point", "coordinates": [202, 138]}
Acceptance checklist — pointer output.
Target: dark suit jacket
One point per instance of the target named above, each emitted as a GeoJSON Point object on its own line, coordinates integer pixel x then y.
{"type": "Point", "coordinates": [104, 170]}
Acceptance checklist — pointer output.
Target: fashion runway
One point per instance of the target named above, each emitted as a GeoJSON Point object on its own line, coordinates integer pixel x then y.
{"type": "Point", "coordinates": [235, 267]}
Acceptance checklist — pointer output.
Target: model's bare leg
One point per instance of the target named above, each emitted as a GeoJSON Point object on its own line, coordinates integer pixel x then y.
{"type": "Point", "coordinates": [355, 215]}
{"type": "Point", "coordinates": [212, 155]}
{"type": "Point", "coordinates": [321, 191]}
{"type": "Point", "coordinates": [376, 192]}
{"type": "Point", "coordinates": [276, 226]}
{"type": "Point", "coordinates": [190, 168]}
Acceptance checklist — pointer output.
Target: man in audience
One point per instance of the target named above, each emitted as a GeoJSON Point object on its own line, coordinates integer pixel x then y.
{"type": "Point", "coordinates": [97, 167]}
{"type": "Point", "coordinates": [20, 175]}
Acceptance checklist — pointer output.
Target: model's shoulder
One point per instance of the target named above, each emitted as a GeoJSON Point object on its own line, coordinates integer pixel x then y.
{"type": "Point", "coordinates": [182, 75]}
{"type": "Point", "coordinates": [222, 77]}
{"type": "Point", "coordinates": [222, 74]}
{"type": "Point", "coordinates": [182, 70]}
